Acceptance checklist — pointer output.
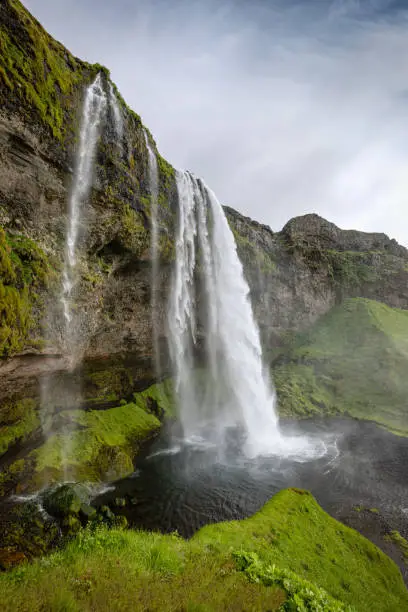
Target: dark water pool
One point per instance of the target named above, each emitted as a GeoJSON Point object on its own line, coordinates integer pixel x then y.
{"type": "Point", "coordinates": [182, 487]}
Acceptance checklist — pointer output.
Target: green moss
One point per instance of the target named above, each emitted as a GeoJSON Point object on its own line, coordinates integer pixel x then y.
{"type": "Point", "coordinates": [251, 255]}
{"type": "Point", "coordinates": [162, 395]}
{"type": "Point", "coordinates": [37, 69]}
{"type": "Point", "coordinates": [166, 172]}
{"type": "Point", "coordinates": [289, 554]}
{"type": "Point", "coordinates": [133, 234]}
{"type": "Point", "coordinates": [352, 361]}
{"type": "Point", "coordinates": [9, 475]}
{"type": "Point", "coordinates": [107, 385]}
{"type": "Point", "coordinates": [26, 422]}
{"type": "Point", "coordinates": [102, 444]}
{"type": "Point", "coordinates": [350, 268]}
{"type": "Point", "coordinates": [23, 272]}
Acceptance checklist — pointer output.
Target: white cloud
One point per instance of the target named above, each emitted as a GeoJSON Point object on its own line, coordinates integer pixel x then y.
{"type": "Point", "coordinates": [284, 109]}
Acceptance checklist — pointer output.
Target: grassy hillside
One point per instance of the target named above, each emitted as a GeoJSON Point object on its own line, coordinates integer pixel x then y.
{"type": "Point", "coordinates": [353, 361]}
{"type": "Point", "coordinates": [291, 552]}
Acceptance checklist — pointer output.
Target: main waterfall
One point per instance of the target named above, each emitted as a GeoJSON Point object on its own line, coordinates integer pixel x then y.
{"type": "Point", "coordinates": [214, 340]}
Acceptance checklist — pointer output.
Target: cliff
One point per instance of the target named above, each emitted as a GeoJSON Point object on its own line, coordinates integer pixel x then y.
{"type": "Point", "coordinates": [296, 276]}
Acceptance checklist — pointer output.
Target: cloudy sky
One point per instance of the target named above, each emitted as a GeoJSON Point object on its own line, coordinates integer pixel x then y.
{"type": "Point", "coordinates": [283, 106]}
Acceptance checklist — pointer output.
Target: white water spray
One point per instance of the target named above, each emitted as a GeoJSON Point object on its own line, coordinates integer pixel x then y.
{"type": "Point", "coordinates": [154, 247]}
{"type": "Point", "coordinates": [93, 111]}
{"type": "Point", "coordinates": [210, 314]}
{"type": "Point", "coordinates": [117, 115]}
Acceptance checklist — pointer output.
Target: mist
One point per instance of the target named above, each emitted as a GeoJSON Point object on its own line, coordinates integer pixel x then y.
{"type": "Point", "coordinates": [283, 108]}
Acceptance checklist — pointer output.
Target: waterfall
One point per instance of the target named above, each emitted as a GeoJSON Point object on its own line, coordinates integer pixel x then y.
{"type": "Point", "coordinates": [154, 247]}
{"type": "Point", "coordinates": [117, 115]}
{"type": "Point", "coordinates": [61, 395]}
{"type": "Point", "coordinates": [211, 324]}
{"type": "Point", "coordinates": [94, 107]}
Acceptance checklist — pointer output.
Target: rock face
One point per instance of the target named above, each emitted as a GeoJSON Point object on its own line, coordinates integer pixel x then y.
{"type": "Point", "coordinates": [296, 275]}
{"type": "Point", "coordinates": [300, 273]}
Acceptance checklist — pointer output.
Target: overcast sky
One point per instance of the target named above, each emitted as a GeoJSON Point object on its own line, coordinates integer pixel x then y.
{"type": "Point", "coordinates": [283, 106]}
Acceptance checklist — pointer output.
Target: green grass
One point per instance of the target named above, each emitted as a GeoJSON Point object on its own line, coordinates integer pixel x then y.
{"type": "Point", "coordinates": [352, 361]}
{"type": "Point", "coordinates": [290, 554]}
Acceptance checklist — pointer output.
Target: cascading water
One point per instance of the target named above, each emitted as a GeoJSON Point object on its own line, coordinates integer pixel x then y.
{"type": "Point", "coordinates": [54, 399]}
{"type": "Point", "coordinates": [154, 246]}
{"type": "Point", "coordinates": [94, 107]}
{"type": "Point", "coordinates": [215, 344]}
{"type": "Point", "coordinates": [117, 115]}
{"type": "Point", "coordinates": [231, 390]}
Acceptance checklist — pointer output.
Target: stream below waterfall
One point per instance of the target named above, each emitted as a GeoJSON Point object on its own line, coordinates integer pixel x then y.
{"type": "Point", "coordinates": [183, 486]}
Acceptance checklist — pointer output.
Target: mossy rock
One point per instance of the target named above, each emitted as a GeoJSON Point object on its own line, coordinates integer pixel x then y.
{"type": "Point", "coordinates": [28, 530]}
{"type": "Point", "coordinates": [102, 444]}
{"type": "Point", "coordinates": [66, 500]}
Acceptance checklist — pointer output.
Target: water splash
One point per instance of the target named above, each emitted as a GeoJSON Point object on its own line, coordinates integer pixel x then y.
{"type": "Point", "coordinates": [117, 115]}
{"type": "Point", "coordinates": [154, 247]}
{"type": "Point", "coordinates": [215, 345]}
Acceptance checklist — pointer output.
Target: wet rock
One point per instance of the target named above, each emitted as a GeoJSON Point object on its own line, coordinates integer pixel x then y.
{"type": "Point", "coordinates": [120, 522]}
{"type": "Point", "coordinates": [107, 513]}
{"type": "Point", "coordinates": [66, 499]}
{"type": "Point", "coordinates": [87, 512]}
{"type": "Point", "coordinates": [71, 525]}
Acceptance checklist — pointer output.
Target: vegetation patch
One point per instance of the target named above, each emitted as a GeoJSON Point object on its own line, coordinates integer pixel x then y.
{"type": "Point", "coordinates": [20, 420]}
{"type": "Point", "coordinates": [24, 271]}
{"type": "Point", "coordinates": [251, 255]}
{"type": "Point", "coordinates": [301, 594]}
{"type": "Point", "coordinates": [289, 556]}
{"type": "Point", "coordinates": [400, 541]}
{"type": "Point", "coordinates": [36, 68]}
{"type": "Point", "coordinates": [101, 444]}
{"type": "Point", "coordinates": [352, 361]}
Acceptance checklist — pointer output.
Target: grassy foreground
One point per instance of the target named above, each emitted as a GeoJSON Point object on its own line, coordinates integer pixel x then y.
{"type": "Point", "coordinates": [291, 555]}
{"type": "Point", "coordinates": [352, 361]}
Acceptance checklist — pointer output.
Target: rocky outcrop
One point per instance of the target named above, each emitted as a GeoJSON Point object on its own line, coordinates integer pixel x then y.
{"type": "Point", "coordinates": [298, 274]}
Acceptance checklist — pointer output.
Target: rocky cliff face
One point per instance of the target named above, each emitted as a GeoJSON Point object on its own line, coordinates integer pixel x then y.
{"type": "Point", "coordinates": [300, 273]}
{"type": "Point", "coordinates": [296, 275]}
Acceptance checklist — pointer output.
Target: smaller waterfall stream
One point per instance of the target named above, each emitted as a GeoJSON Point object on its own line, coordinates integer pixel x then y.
{"type": "Point", "coordinates": [58, 397]}
{"type": "Point", "coordinates": [117, 115]}
{"type": "Point", "coordinates": [154, 248]}
{"type": "Point", "coordinates": [215, 346]}
{"type": "Point", "coordinates": [94, 106]}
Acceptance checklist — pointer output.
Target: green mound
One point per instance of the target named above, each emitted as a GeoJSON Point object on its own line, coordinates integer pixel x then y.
{"type": "Point", "coordinates": [91, 445]}
{"type": "Point", "coordinates": [353, 361]}
{"type": "Point", "coordinates": [289, 554]}
{"type": "Point", "coordinates": [102, 444]}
